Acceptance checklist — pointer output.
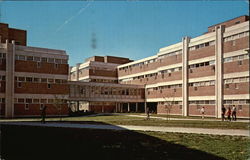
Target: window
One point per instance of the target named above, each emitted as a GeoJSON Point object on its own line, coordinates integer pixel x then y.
{"type": "Point", "coordinates": [51, 60]}
{"type": "Point", "coordinates": [19, 84]}
{"type": "Point", "coordinates": [21, 57]}
{"type": "Point", "coordinates": [227, 85]}
{"type": "Point", "coordinates": [41, 106]}
{"type": "Point", "coordinates": [38, 64]}
{"type": "Point", "coordinates": [26, 107]}
{"type": "Point", "coordinates": [239, 62]}
{"type": "Point", "coordinates": [20, 100]}
{"type": "Point", "coordinates": [44, 59]}
{"type": "Point", "coordinates": [30, 58]}
{"type": "Point", "coordinates": [37, 80]}
{"type": "Point", "coordinates": [56, 66]}
{"type": "Point", "coordinates": [28, 79]}
{"type": "Point", "coordinates": [49, 86]}
{"type": "Point", "coordinates": [236, 86]}
{"type": "Point", "coordinates": [43, 100]}
{"type": "Point", "coordinates": [51, 80]}
{"type": "Point", "coordinates": [28, 100]}
{"type": "Point", "coordinates": [58, 61]}
{"type": "Point", "coordinates": [37, 59]}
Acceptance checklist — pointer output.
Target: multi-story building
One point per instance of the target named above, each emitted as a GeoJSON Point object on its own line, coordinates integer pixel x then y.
{"type": "Point", "coordinates": [210, 70]}
{"type": "Point", "coordinates": [94, 87]}
{"type": "Point", "coordinates": [97, 69]}
{"type": "Point", "coordinates": [31, 77]}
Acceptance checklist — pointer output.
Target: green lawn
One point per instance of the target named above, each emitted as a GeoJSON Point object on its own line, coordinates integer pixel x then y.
{"type": "Point", "coordinates": [140, 121]}
{"type": "Point", "coordinates": [229, 147]}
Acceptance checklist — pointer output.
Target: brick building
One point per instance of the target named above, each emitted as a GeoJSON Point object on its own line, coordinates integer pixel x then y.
{"type": "Point", "coordinates": [210, 70]}
{"type": "Point", "coordinates": [30, 77]}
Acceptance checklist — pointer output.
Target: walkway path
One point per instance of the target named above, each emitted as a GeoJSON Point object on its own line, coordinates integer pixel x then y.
{"type": "Point", "coordinates": [236, 132]}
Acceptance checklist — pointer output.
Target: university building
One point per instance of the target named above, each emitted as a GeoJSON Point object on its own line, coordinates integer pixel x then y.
{"type": "Point", "coordinates": [30, 77]}
{"type": "Point", "coordinates": [211, 71]}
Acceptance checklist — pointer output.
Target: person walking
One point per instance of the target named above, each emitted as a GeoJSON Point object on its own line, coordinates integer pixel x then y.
{"type": "Point", "coordinates": [223, 112]}
{"type": "Point", "coordinates": [234, 113]}
{"type": "Point", "coordinates": [229, 113]}
{"type": "Point", "coordinates": [147, 110]}
{"type": "Point", "coordinates": [202, 112]}
{"type": "Point", "coordinates": [43, 114]}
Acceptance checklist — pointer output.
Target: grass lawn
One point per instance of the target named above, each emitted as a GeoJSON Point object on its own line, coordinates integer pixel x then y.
{"type": "Point", "coordinates": [229, 147]}
{"type": "Point", "coordinates": [140, 121]}
{"type": "Point", "coordinates": [126, 120]}
{"type": "Point", "coordinates": [73, 143]}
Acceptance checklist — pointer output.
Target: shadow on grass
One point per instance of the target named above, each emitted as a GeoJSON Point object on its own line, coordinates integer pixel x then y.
{"type": "Point", "coordinates": [40, 142]}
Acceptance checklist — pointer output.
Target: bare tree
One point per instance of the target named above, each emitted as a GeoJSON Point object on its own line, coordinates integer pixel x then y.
{"type": "Point", "coordinates": [58, 104]}
{"type": "Point", "coordinates": [168, 104]}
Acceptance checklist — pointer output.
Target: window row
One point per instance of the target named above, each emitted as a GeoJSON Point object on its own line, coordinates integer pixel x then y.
{"type": "Point", "coordinates": [41, 59]}
{"type": "Point", "coordinates": [211, 43]}
{"type": "Point", "coordinates": [201, 102]}
{"type": "Point", "coordinates": [138, 64]}
{"type": "Point", "coordinates": [236, 80]}
{"type": "Point", "coordinates": [39, 101]}
{"type": "Point", "coordinates": [204, 83]}
{"type": "Point", "coordinates": [2, 78]}
{"type": "Point", "coordinates": [39, 80]}
{"type": "Point", "coordinates": [171, 70]}
{"type": "Point", "coordinates": [236, 58]}
{"type": "Point", "coordinates": [209, 63]}
{"type": "Point", "coordinates": [236, 36]}
{"type": "Point", "coordinates": [104, 80]}
{"type": "Point", "coordinates": [243, 101]}
{"type": "Point", "coordinates": [171, 103]}
{"type": "Point", "coordinates": [170, 54]}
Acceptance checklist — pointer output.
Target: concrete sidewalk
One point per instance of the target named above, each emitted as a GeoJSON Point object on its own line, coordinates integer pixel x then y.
{"type": "Point", "coordinates": [232, 132]}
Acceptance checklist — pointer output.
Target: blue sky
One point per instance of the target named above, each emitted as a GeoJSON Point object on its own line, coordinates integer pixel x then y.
{"type": "Point", "coordinates": [134, 29]}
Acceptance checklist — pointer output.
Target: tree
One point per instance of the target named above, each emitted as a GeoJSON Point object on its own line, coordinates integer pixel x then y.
{"type": "Point", "coordinates": [58, 104]}
{"type": "Point", "coordinates": [168, 104]}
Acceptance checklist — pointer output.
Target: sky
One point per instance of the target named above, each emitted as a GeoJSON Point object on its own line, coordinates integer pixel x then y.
{"type": "Point", "coordinates": [134, 29]}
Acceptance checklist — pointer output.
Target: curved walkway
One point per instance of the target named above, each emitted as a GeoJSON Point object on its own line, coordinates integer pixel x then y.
{"type": "Point", "coordinates": [232, 132]}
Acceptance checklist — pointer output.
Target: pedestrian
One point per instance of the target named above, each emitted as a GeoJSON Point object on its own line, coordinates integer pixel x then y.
{"type": "Point", "coordinates": [223, 112]}
{"type": "Point", "coordinates": [202, 112]}
{"type": "Point", "coordinates": [43, 114]}
{"type": "Point", "coordinates": [234, 113]}
{"type": "Point", "coordinates": [147, 110]}
{"type": "Point", "coordinates": [229, 114]}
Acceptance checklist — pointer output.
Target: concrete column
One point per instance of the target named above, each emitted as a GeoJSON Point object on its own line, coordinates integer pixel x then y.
{"type": "Point", "coordinates": [121, 107]}
{"type": "Point", "coordinates": [77, 71]}
{"type": "Point", "coordinates": [136, 107]}
{"type": "Point", "coordinates": [128, 107]}
{"type": "Point", "coordinates": [145, 107]}
{"type": "Point", "coordinates": [185, 42]}
{"type": "Point", "coordinates": [218, 70]}
{"type": "Point", "coordinates": [9, 90]}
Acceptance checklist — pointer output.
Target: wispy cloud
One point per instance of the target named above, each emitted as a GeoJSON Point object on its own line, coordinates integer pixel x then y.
{"type": "Point", "coordinates": [72, 17]}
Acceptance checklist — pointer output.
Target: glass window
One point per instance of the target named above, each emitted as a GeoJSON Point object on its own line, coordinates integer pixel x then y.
{"type": "Point", "coordinates": [28, 79]}
{"type": "Point", "coordinates": [20, 100]}
{"type": "Point", "coordinates": [44, 80]}
{"type": "Point", "coordinates": [36, 79]}
{"type": "Point", "coordinates": [51, 60]}
{"type": "Point", "coordinates": [21, 57]}
{"type": "Point", "coordinates": [21, 79]}
{"type": "Point", "coordinates": [30, 58]}
{"type": "Point", "coordinates": [28, 100]}
{"type": "Point", "coordinates": [36, 100]}
{"type": "Point", "coordinates": [44, 59]}
{"type": "Point", "coordinates": [37, 59]}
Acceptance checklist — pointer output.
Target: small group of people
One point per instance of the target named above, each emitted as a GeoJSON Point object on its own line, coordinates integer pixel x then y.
{"type": "Point", "coordinates": [228, 112]}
